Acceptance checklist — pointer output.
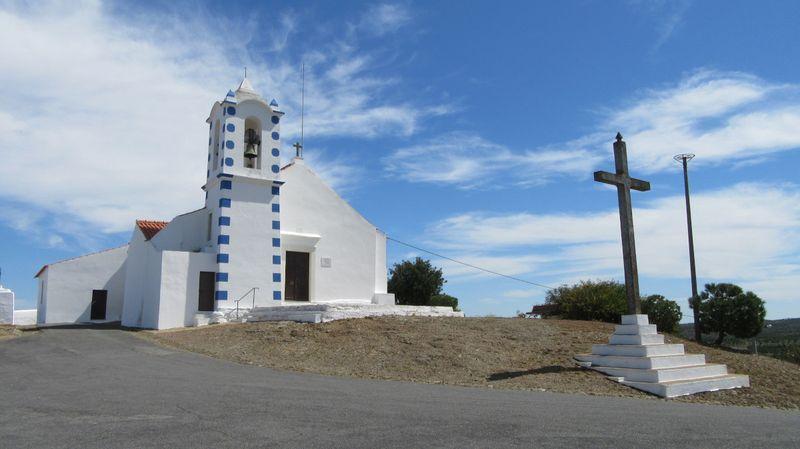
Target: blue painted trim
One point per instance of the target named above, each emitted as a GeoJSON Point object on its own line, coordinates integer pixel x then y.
{"type": "Point", "coordinates": [224, 175]}
{"type": "Point", "coordinates": [276, 260]}
{"type": "Point", "coordinates": [276, 224]}
{"type": "Point", "coordinates": [275, 152]}
{"type": "Point", "coordinates": [276, 207]}
{"type": "Point", "coordinates": [229, 161]}
{"type": "Point", "coordinates": [275, 119]}
{"type": "Point", "coordinates": [275, 169]}
{"type": "Point", "coordinates": [229, 144]}
{"type": "Point", "coordinates": [224, 221]}
{"type": "Point", "coordinates": [276, 295]}
{"type": "Point", "coordinates": [275, 136]}
{"type": "Point", "coordinates": [226, 185]}
{"type": "Point", "coordinates": [230, 127]}
{"type": "Point", "coordinates": [276, 243]}
{"type": "Point", "coordinates": [231, 110]}
{"type": "Point", "coordinates": [223, 239]}
{"type": "Point", "coordinates": [276, 190]}
{"type": "Point", "coordinates": [276, 277]}
{"type": "Point", "coordinates": [224, 202]}
{"type": "Point", "coordinates": [223, 258]}
{"type": "Point", "coordinates": [221, 295]}
{"type": "Point", "coordinates": [222, 277]}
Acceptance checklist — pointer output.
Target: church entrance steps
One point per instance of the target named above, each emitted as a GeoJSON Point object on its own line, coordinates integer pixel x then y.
{"type": "Point", "coordinates": [638, 357]}
{"type": "Point", "coordinates": [647, 362]}
{"type": "Point", "coordinates": [684, 387]}
{"type": "Point", "coordinates": [650, 339]}
{"type": "Point", "coordinates": [324, 312]}
{"type": "Point", "coordinates": [638, 350]}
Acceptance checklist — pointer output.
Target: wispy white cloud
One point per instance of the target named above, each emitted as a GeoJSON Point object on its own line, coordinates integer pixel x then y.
{"type": "Point", "coordinates": [110, 122]}
{"type": "Point", "coordinates": [468, 160]}
{"type": "Point", "coordinates": [384, 18]}
{"type": "Point", "coordinates": [747, 233]}
{"type": "Point", "coordinates": [724, 118]}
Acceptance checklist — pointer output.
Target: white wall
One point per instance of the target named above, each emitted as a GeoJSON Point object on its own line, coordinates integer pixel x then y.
{"type": "Point", "coordinates": [185, 232]}
{"type": "Point", "coordinates": [180, 284]}
{"type": "Point", "coordinates": [358, 267]}
{"type": "Point", "coordinates": [6, 306]}
{"type": "Point", "coordinates": [142, 283]}
{"type": "Point", "coordinates": [67, 287]}
{"type": "Point", "coordinates": [25, 317]}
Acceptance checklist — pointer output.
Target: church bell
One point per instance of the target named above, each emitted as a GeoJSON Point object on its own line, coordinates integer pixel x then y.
{"type": "Point", "coordinates": [252, 141]}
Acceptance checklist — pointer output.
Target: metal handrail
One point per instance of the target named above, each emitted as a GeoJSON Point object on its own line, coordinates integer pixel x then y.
{"type": "Point", "coordinates": [244, 296]}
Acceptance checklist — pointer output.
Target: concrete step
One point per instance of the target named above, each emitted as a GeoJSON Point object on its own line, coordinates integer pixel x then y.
{"type": "Point", "coordinates": [299, 317]}
{"type": "Point", "coordinates": [656, 362]}
{"type": "Point", "coordinates": [654, 339]}
{"type": "Point", "coordinates": [638, 350]}
{"type": "Point", "coordinates": [634, 319]}
{"type": "Point", "coordinates": [635, 329]}
{"type": "Point", "coordinates": [691, 386]}
{"type": "Point", "coordinates": [664, 374]}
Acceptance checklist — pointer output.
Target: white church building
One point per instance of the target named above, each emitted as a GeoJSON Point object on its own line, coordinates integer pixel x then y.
{"type": "Point", "coordinates": [267, 235]}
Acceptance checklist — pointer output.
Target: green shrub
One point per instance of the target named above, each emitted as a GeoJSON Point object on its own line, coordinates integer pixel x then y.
{"type": "Point", "coordinates": [444, 300]}
{"type": "Point", "coordinates": [588, 300]}
{"type": "Point", "coordinates": [662, 312]}
{"type": "Point", "coordinates": [414, 282]}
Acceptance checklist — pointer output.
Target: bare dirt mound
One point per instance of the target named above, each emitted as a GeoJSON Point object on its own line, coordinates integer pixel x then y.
{"type": "Point", "coordinates": [506, 353]}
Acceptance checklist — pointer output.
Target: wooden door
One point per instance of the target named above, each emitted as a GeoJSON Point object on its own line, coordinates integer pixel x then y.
{"type": "Point", "coordinates": [99, 299]}
{"type": "Point", "coordinates": [296, 285]}
{"type": "Point", "coordinates": [205, 302]}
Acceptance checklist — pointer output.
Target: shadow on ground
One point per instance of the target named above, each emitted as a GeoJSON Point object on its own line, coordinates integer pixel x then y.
{"type": "Point", "coordinates": [552, 369]}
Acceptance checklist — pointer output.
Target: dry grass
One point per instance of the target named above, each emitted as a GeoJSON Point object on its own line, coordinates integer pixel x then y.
{"type": "Point", "coordinates": [487, 352]}
{"type": "Point", "coordinates": [8, 331]}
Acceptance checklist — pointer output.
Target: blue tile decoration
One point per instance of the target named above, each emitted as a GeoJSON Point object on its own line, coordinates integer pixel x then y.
{"type": "Point", "coordinates": [230, 127]}
{"type": "Point", "coordinates": [224, 202]}
{"type": "Point", "coordinates": [221, 295]}
{"type": "Point", "coordinates": [229, 161]}
{"type": "Point", "coordinates": [275, 119]}
{"type": "Point", "coordinates": [276, 295]}
{"type": "Point", "coordinates": [276, 224]}
{"type": "Point", "coordinates": [276, 260]}
{"type": "Point", "coordinates": [276, 243]}
{"type": "Point", "coordinates": [229, 144]}
{"type": "Point", "coordinates": [275, 169]}
{"type": "Point", "coordinates": [276, 190]}
{"type": "Point", "coordinates": [226, 184]}
{"type": "Point", "coordinates": [224, 221]}
{"type": "Point", "coordinates": [231, 110]}
{"type": "Point", "coordinates": [276, 277]}
{"type": "Point", "coordinates": [276, 152]}
{"type": "Point", "coordinates": [223, 239]}
{"type": "Point", "coordinates": [275, 136]}
{"type": "Point", "coordinates": [222, 258]}
{"type": "Point", "coordinates": [276, 207]}
{"type": "Point", "coordinates": [222, 277]}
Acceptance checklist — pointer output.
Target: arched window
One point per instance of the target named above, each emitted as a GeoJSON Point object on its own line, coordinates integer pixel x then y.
{"type": "Point", "coordinates": [216, 145]}
{"type": "Point", "coordinates": [252, 143]}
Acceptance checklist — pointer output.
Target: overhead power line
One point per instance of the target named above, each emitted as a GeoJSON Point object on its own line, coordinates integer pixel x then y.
{"type": "Point", "coordinates": [470, 265]}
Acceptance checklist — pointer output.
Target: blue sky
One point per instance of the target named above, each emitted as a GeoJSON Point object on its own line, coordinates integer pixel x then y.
{"type": "Point", "coordinates": [468, 128]}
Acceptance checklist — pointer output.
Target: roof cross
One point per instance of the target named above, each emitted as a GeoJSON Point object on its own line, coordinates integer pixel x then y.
{"type": "Point", "coordinates": [624, 183]}
{"type": "Point", "coordinates": [298, 147]}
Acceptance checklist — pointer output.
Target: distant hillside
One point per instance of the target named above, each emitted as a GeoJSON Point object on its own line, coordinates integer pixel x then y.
{"type": "Point", "coordinates": [779, 338]}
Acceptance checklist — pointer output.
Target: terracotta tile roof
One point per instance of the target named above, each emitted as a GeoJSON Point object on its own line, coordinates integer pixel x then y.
{"type": "Point", "coordinates": [151, 227]}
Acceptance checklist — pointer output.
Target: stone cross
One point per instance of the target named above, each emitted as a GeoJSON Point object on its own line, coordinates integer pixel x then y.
{"type": "Point", "coordinates": [298, 148]}
{"type": "Point", "coordinates": [624, 184]}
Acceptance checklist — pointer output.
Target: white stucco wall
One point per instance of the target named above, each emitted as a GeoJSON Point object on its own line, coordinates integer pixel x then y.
{"type": "Point", "coordinates": [25, 317]}
{"type": "Point", "coordinates": [185, 232]}
{"type": "Point", "coordinates": [67, 287]}
{"type": "Point", "coordinates": [142, 283]}
{"type": "Point", "coordinates": [180, 284]}
{"type": "Point", "coordinates": [309, 207]}
{"type": "Point", "coordinates": [6, 306]}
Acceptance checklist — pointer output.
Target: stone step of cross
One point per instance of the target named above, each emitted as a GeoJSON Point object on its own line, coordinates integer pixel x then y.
{"type": "Point", "coordinates": [655, 339]}
{"type": "Point", "coordinates": [665, 374]}
{"type": "Point", "coordinates": [684, 387]}
{"type": "Point", "coordinates": [635, 329]}
{"type": "Point", "coordinates": [650, 362]}
{"type": "Point", "coordinates": [638, 350]}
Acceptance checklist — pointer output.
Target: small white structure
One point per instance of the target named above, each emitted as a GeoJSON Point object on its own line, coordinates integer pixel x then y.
{"type": "Point", "coordinates": [6, 305]}
{"type": "Point", "coordinates": [637, 356]}
{"type": "Point", "coordinates": [266, 236]}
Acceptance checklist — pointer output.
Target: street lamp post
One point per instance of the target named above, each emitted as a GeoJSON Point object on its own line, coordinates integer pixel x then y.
{"type": "Point", "coordinates": [684, 160]}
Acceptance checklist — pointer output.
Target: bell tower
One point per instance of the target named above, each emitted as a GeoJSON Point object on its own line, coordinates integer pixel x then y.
{"type": "Point", "coordinates": [242, 197]}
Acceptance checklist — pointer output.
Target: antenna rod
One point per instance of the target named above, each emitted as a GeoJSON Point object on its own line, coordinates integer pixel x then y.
{"type": "Point", "coordinates": [302, 101]}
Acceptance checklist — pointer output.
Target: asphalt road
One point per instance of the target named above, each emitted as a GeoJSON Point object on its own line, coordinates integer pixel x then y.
{"type": "Point", "coordinates": [108, 388]}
